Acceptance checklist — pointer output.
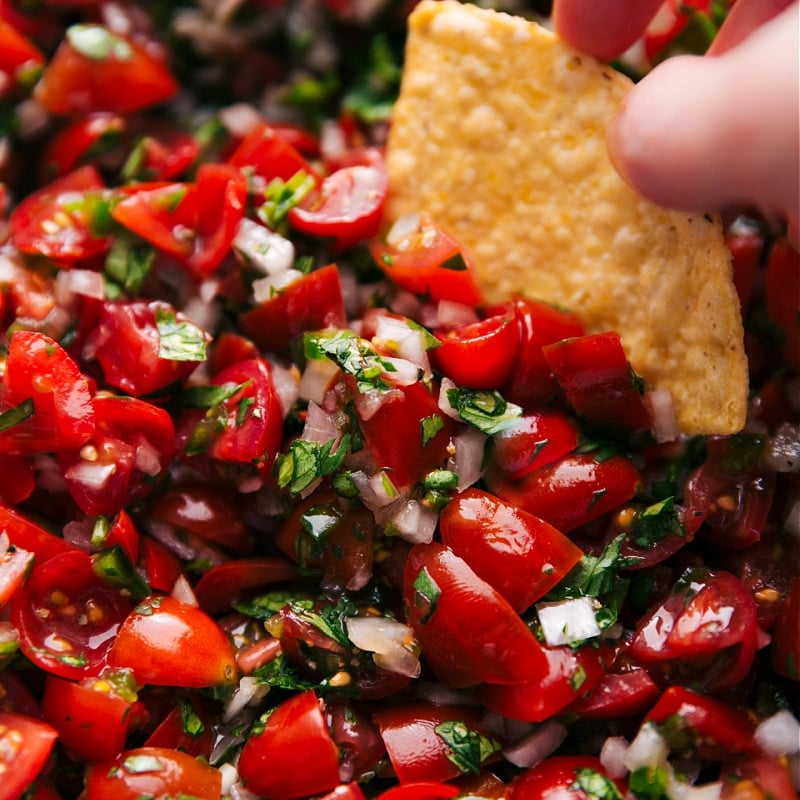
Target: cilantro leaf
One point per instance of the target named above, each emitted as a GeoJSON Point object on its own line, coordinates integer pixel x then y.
{"type": "Point", "coordinates": [468, 748]}
{"type": "Point", "coordinates": [595, 785]}
{"type": "Point", "coordinates": [179, 340]}
{"type": "Point", "coordinates": [649, 783]}
{"type": "Point", "coordinates": [127, 264]}
{"type": "Point", "coordinates": [306, 462]}
{"type": "Point", "coordinates": [488, 411]}
{"type": "Point", "coordinates": [426, 593]}
{"type": "Point", "coordinates": [13, 416]}
{"type": "Point", "coordinates": [655, 523]}
{"type": "Point", "coordinates": [207, 396]}
{"type": "Point", "coordinates": [280, 197]}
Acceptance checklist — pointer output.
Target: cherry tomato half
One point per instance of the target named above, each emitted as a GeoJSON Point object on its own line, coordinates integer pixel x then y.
{"type": "Point", "coordinates": [25, 746]}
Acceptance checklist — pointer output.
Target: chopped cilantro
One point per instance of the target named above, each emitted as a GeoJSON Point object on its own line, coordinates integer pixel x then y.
{"type": "Point", "coordinates": [127, 264]}
{"type": "Point", "coordinates": [100, 530]}
{"type": "Point", "coordinates": [329, 618]}
{"type": "Point", "coordinates": [179, 340]}
{"type": "Point", "coordinates": [595, 785]}
{"type": "Point", "coordinates": [13, 416]}
{"type": "Point", "coordinates": [98, 43]}
{"type": "Point", "coordinates": [266, 605]}
{"type": "Point", "coordinates": [115, 568]}
{"type": "Point", "coordinates": [656, 522]}
{"type": "Point", "coordinates": [281, 674]}
{"type": "Point", "coordinates": [207, 396]}
{"type": "Point", "coordinates": [455, 263]}
{"type": "Point", "coordinates": [426, 594]}
{"type": "Point", "coordinates": [430, 427]}
{"type": "Point", "coordinates": [190, 721]}
{"type": "Point", "coordinates": [488, 411]}
{"type": "Point", "coordinates": [468, 748]}
{"type": "Point", "coordinates": [280, 197]}
{"type": "Point", "coordinates": [306, 462]}
{"type": "Point", "coordinates": [649, 783]}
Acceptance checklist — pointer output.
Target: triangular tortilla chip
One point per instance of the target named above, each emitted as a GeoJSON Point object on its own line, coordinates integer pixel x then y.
{"type": "Point", "coordinates": [499, 133]}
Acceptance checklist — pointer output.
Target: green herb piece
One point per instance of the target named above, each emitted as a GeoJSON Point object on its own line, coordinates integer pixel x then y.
{"type": "Point", "coordinates": [455, 263]}
{"type": "Point", "coordinates": [142, 763]}
{"type": "Point", "coordinates": [266, 605]}
{"type": "Point", "coordinates": [655, 523]}
{"type": "Point", "coordinates": [488, 411]}
{"type": "Point", "coordinates": [127, 264]}
{"type": "Point", "coordinates": [100, 530]}
{"type": "Point", "coordinates": [281, 674]}
{"type": "Point", "coordinates": [372, 96]}
{"type": "Point", "coordinates": [468, 748]}
{"type": "Point", "coordinates": [430, 427]}
{"type": "Point", "coordinates": [207, 396]}
{"type": "Point", "coordinates": [13, 416]}
{"type": "Point", "coordinates": [306, 462]}
{"type": "Point", "coordinates": [98, 43]}
{"type": "Point", "coordinates": [115, 568]}
{"type": "Point", "coordinates": [426, 594]}
{"type": "Point", "coordinates": [316, 526]}
{"type": "Point", "coordinates": [179, 340]}
{"type": "Point", "coordinates": [329, 618]}
{"type": "Point", "coordinates": [190, 721]}
{"type": "Point", "coordinates": [649, 783]}
{"type": "Point", "coordinates": [280, 197]}
{"type": "Point", "coordinates": [595, 785]}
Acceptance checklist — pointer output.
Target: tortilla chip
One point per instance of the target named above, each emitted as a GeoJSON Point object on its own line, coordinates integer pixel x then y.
{"type": "Point", "coordinates": [499, 133]}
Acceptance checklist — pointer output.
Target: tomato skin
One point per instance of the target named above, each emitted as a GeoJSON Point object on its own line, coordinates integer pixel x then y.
{"type": "Point", "coordinates": [172, 774]}
{"type": "Point", "coordinates": [17, 53]}
{"type": "Point", "coordinates": [155, 638]}
{"type": "Point", "coordinates": [676, 641]}
{"type": "Point", "coordinates": [420, 790]}
{"type": "Point", "coordinates": [14, 566]}
{"type": "Point", "coordinates": [757, 778]}
{"type": "Point", "coordinates": [49, 611]}
{"type": "Point", "coordinates": [597, 378]}
{"type": "Point", "coordinates": [617, 694]}
{"type": "Point", "coordinates": [782, 292]}
{"type": "Point", "coordinates": [25, 746]}
{"type": "Point", "coordinates": [571, 491]}
{"type": "Point", "coordinates": [479, 355]}
{"type": "Point", "coordinates": [418, 754]}
{"type": "Point", "coordinates": [553, 778]}
{"type": "Point", "coordinates": [72, 83]}
{"type": "Point", "coordinates": [785, 651]}
{"type": "Point", "coordinates": [469, 634]}
{"type": "Point", "coordinates": [66, 148]}
{"type": "Point", "coordinates": [172, 733]}
{"type": "Point", "coordinates": [310, 303]}
{"type": "Point", "coordinates": [27, 535]}
{"type": "Point", "coordinates": [268, 761]}
{"type": "Point", "coordinates": [518, 554]}
{"type": "Point", "coordinates": [160, 566]}
{"type": "Point", "coordinates": [39, 369]}
{"type": "Point", "coordinates": [92, 723]}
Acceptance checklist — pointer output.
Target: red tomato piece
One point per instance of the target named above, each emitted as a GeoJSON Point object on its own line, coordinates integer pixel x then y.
{"type": "Point", "coordinates": [745, 241]}
{"type": "Point", "coordinates": [705, 631]}
{"type": "Point", "coordinates": [134, 354]}
{"type": "Point", "coordinates": [25, 746]}
{"type": "Point", "coordinates": [95, 69]}
{"type": "Point", "coordinates": [18, 55]}
{"type": "Point", "coordinates": [670, 20]}
{"type": "Point", "coordinates": [310, 303]}
{"type": "Point", "coordinates": [25, 534]}
{"type": "Point", "coordinates": [188, 728]}
{"type": "Point", "coordinates": [469, 634]}
{"type": "Point", "coordinates": [14, 566]}
{"type": "Point", "coordinates": [67, 149]}
{"type": "Point", "coordinates": [569, 672]}
{"type": "Point", "coordinates": [268, 762]}
{"type": "Point", "coordinates": [532, 441]}
{"type": "Point", "coordinates": [521, 556]}
{"type": "Point", "coordinates": [157, 635]}
{"type": "Point", "coordinates": [92, 719]}
{"type": "Point", "coordinates": [573, 490]}
{"type": "Point", "coordinates": [160, 566]}
{"type": "Point", "coordinates": [761, 778]}
{"type": "Point", "coordinates": [271, 155]}
{"type": "Point", "coordinates": [153, 772]}
{"type": "Point", "coordinates": [162, 150]}
{"type": "Point", "coordinates": [60, 220]}
{"type": "Point", "coordinates": [620, 694]}
{"type": "Point", "coordinates": [597, 378]}
{"type": "Point", "coordinates": [782, 293]}
{"type": "Point", "coordinates": [559, 777]}
{"type": "Point", "coordinates": [427, 261]}
{"type": "Point", "coordinates": [18, 478]}
{"type": "Point", "coordinates": [347, 208]}
{"type": "Point", "coordinates": [418, 751]}
{"type": "Point", "coordinates": [714, 729]}
{"type": "Point", "coordinates": [479, 355]}
{"type": "Point", "coordinates": [67, 617]}
{"type": "Point", "coordinates": [785, 652]}
{"type": "Point", "coordinates": [420, 790]}
{"type": "Point", "coordinates": [357, 736]}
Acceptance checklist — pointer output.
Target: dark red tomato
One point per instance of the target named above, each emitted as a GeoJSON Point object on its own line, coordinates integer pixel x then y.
{"type": "Point", "coordinates": [745, 241]}
{"type": "Point", "coordinates": [418, 739]}
{"type": "Point", "coordinates": [620, 694]}
{"type": "Point", "coordinates": [310, 303]}
{"type": "Point", "coordinates": [79, 140]}
{"type": "Point", "coordinates": [228, 348]}
{"type": "Point", "coordinates": [469, 634]}
{"type": "Point", "coordinates": [18, 478]}
{"type": "Point", "coordinates": [161, 150]}
{"type": "Point", "coordinates": [16, 694]}
{"type": "Point", "coordinates": [271, 155]}
{"type": "Point", "coordinates": [561, 777]}
{"type": "Point", "coordinates": [597, 378]}
{"type": "Point", "coordinates": [347, 208]}
{"type": "Point", "coordinates": [160, 566]}
{"type": "Point", "coordinates": [188, 728]}
{"type": "Point", "coordinates": [153, 772]}
{"type": "Point", "coordinates": [27, 535]}
{"type": "Point", "coordinates": [427, 261]}
{"type": "Point", "coordinates": [704, 632]}
{"type": "Point", "coordinates": [673, 16]}
{"type": "Point", "coordinates": [67, 617]}
{"type": "Point", "coordinates": [244, 428]}
{"type": "Point", "coordinates": [158, 634]}
{"type": "Point", "coordinates": [785, 651]}
{"type": "Point", "coordinates": [268, 764]}
{"type": "Point", "coordinates": [130, 450]}
{"type": "Point", "coordinates": [39, 371]}
{"type": "Point", "coordinates": [782, 293]}
{"type": "Point", "coordinates": [569, 672]}
{"type": "Point", "coordinates": [573, 490]}
{"type": "Point", "coordinates": [300, 138]}
{"type": "Point", "coordinates": [18, 56]}
{"type": "Point", "coordinates": [95, 69]}
{"type": "Point", "coordinates": [421, 790]}
{"type": "Point", "coordinates": [60, 220]}
{"type": "Point", "coordinates": [357, 737]}
{"type": "Point", "coordinates": [518, 554]}
{"type": "Point", "coordinates": [345, 791]}
{"type": "Point", "coordinates": [395, 435]}
{"type": "Point", "coordinates": [532, 441]}
{"type": "Point", "coordinates": [709, 728]}
{"type": "Point", "coordinates": [123, 532]}
{"type": "Point", "coordinates": [532, 384]}
{"type": "Point", "coordinates": [479, 355]}
{"type": "Point", "coordinates": [730, 500]}
{"type": "Point", "coordinates": [144, 347]}
{"type": "Point", "coordinates": [92, 720]}
{"type": "Point", "coordinates": [761, 778]}
{"type": "Point", "coordinates": [14, 566]}
{"type": "Point", "coordinates": [25, 746]}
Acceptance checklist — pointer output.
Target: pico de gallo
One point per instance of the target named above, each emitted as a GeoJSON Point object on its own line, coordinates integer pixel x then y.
{"type": "Point", "coordinates": [287, 511]}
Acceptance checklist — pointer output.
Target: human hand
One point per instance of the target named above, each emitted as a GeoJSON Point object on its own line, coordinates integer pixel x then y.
{"type": "Point", "coordinates": [700, 133]}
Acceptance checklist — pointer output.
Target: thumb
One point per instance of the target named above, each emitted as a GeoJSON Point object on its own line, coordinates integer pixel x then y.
{"type": "Point", "coordinates": [702, 133]}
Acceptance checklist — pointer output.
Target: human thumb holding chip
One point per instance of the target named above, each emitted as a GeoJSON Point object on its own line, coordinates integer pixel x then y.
{"type": "Point", "coordinates": [701, 133]}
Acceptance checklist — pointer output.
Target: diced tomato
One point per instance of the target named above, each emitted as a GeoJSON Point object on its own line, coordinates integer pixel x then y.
{"type": "Point", "coordinates": [156, 636]}
{"type": "Point", "coordinates": [479, 355]}
{"type": "Point", "coordinates": [425, 260]}
{"type": "Point", "coordinates": [469, 634]}
{"type": "Point", "coordinates": [421, 790]}
{"type": "Point", "coordinates": [18, 478]}
{"type": "Point", "coordinates": [27, 535]}
{"type": "Point", "coordinates": [310, 303]}
{"type": "Point", "coordinates": [782, 292]}
{"type": "Point", "coordinates": [361, 747]}
{"type": "Point", "coordinates": [80, 138]}
{"type": "Point", "coordinates": [267, 764]}
{"type": "Point", "coordinates": [95, 69]}
{"type": "Point", "coordinates": [160, 566]}
{"type": "Point", "coordinates": [160, 150]}
{"type": "Point", "coordinates": [560, 776]}
{"type": "Point", "coordinates": [18, 55]}
{"type": "Point", "coordinates": [67, 616]}
{"type": "Point", "coordinates": [670, 20]}
{"type": "Point", "coordinates": [187, 727]}
{"type": "Point", "coordinates": [785, 651]}
{"type": "Point", "coordinates": [14, 566]}
{"type": "Point", "coordinates": [624, 694]}
{"type": "Point", "coordinates": [745, 240]}
{"type": "Point", "coordinates": [759, 778]}
{"type": "Point", "coordinates": [518, 554]}
{"type": "Point", "coordinates": [25, 746]}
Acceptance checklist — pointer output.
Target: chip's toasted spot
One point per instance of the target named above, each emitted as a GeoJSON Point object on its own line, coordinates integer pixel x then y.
{"type": "Point", "coordinates": [499, 133]}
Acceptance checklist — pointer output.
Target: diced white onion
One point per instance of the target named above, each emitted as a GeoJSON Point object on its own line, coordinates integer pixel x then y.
{"type": "Point", "coordinates": [391, 643]}
{"type": "Point", "coordinates": [678, 790]}
{"type": "Point", "coordinates": [319, 426]}
{"type": "Point", "coordinates": [568, 621]}
{"type": "Point", "coordinates": [782, 452]}
{"type": "Point", "coordinates": [537, 745]}
{"type": "Point", "coordinates": [414, 522]}
{"type": "Point", "coordinates": [378, 493]}
{"type": "Point", "coordinates": [316, 379]}
{"type": "Point", "coordinates": [403, 226]}
{"type": "Point", "coordinates": [450, 314]}
{"type": "Point", "coordinates": [90, 474]}
{"type": "Point", "coordinates": [407, 342]}
{"type": "Point", "coordinates": [85, 282]}
{"type": "Point", "coordinates": [662, 414]}
{"type": "Point", "coordinates": [779, 735]}
{"type": "Point", "coordinates": [265, 288]}
{"type": "Point", "coordinates": [183, 592]}
{"type": "Point", "coordinates": [648, 749]}
{"type": "Point", "coordinates": [332, 140]}
{"type": "Point", "coordinates": [467, 458]}
{"type": "Point", "coordinates": [262, 248]}
{"type": "Point", "coordinates": [146, 460]}
{"type": "Point", "coordinates": [230, 775]}
{"type": "Point", "coordinates": [405, 372]}
{"type": "Point", "coordinates": [249, 690]}
{"type": "Point", "coordinates": [286, 383]}
{"type": "Point", "coordinates": [370, 402]}
{"type": "Point", "coordinates": [239, 119]}
{"type": "Point", "coordinates": [444, 403]}
{"type": "Point", "coordinates": [612, 756]}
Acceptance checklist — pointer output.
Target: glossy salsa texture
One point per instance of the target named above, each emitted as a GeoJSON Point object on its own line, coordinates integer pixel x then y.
{"type": "Point", "coordinates": [287, 511]}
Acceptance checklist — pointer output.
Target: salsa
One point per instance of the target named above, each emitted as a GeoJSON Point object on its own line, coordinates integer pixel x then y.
{"type": "Point", "coordinates": [288, 511]}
